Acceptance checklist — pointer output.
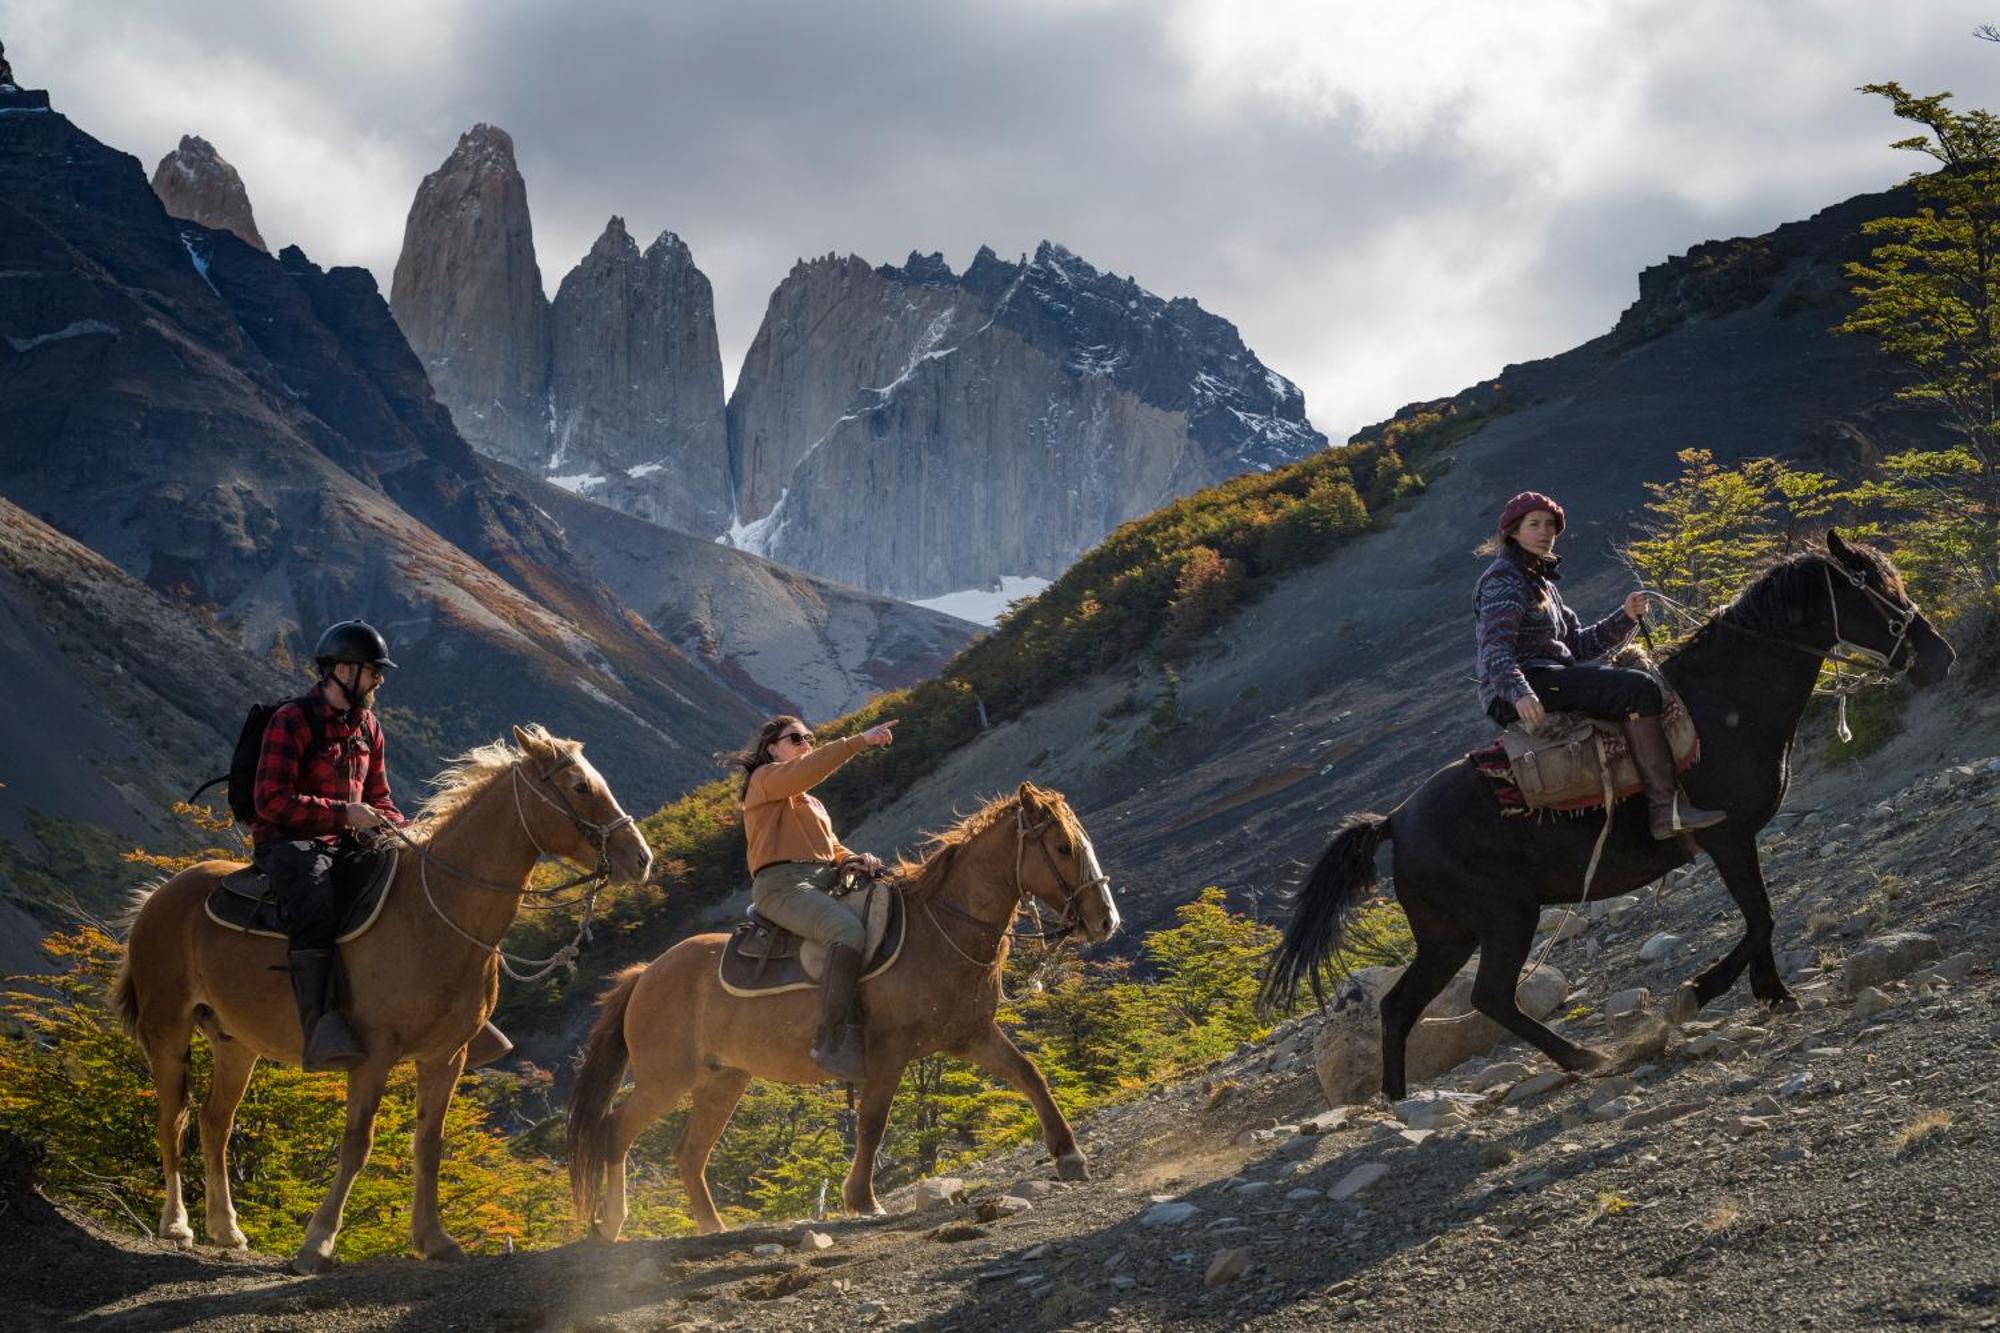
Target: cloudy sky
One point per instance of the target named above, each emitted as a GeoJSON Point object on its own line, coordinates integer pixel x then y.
{"type": "Point", "coordinates": [1390, 200]}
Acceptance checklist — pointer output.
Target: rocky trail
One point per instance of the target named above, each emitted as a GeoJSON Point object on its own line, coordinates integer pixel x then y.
{"type": "Point", "coordinates": [1828, 1168]}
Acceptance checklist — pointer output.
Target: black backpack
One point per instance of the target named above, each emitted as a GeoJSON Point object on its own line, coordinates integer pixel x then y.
{"type": "Point", "coordinates": [242, 774]}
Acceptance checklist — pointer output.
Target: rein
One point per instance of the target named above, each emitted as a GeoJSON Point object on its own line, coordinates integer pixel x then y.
{"type": "Point", "coordinates": [1068, 924]}
{"type": "Point", "coordinates": [599, 836]}
{"type": "Point", "coordinates": [1879, 667]}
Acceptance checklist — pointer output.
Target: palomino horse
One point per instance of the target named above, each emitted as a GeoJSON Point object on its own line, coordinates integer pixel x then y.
{"type": "Point", "coordinates": [685, 1036]}
{"type": "Point", "coordinates": [1469, 878]}
{"type": "Point", "coordinates": [421, 988]}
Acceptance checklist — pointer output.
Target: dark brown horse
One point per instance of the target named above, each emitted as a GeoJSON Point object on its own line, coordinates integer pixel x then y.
{"type": "Point", "coordinates": [687, 1038]}
{"type": "Point", "coordinates": [1469, 878]}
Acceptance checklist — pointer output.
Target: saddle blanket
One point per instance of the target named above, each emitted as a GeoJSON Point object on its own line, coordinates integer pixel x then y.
{"type": "Point", "coordinates": [244, 900]}
{"type": "Point", "coordinates": [763, 958]}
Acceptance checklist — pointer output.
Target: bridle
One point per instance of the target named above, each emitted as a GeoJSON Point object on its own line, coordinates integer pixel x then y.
{"type": "Point", "coordinates": [1898, 620]}
{"type": "Point", "coordinates": [1879, 664]}
{"type": "Point", "coordinates": [1067, 924]}
{"type": "Point", "coordinates": [597, 835]}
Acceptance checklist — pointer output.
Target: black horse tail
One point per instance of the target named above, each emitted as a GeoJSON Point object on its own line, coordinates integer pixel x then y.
{"type": "Point", "coordinates": [1322, 907]}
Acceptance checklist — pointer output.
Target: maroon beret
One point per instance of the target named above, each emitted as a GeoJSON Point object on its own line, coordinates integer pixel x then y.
{"type": "Point", "coordinates": [1526, 503]}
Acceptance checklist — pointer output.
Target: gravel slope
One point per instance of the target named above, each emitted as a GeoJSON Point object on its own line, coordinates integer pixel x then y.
{"type": "Point", "coordinates": [1765, 1170]}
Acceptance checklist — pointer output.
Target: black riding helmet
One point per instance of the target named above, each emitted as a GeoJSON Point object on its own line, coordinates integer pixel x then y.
{"type": "Point", "coordinates": [352, 641]}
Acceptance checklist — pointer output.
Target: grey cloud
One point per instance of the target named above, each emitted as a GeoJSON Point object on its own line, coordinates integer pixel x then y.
{"type": "Point", "coordinates": [764, 132]}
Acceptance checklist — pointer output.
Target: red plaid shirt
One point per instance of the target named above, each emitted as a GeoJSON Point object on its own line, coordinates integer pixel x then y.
{"type": "Point", "coordinates": [301, 796]}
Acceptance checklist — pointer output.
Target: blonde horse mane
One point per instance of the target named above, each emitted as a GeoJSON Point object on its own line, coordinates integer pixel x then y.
{"type": "Point", "coordinates": [922, 878]}
{"type": "Point", "coordinates": [468, 774]}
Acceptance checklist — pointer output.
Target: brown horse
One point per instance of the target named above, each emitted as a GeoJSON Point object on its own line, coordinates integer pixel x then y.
{"type": "Point", "coordinates": [421, 988]}
{"type": "Point", "coordinates": [686, 1037]}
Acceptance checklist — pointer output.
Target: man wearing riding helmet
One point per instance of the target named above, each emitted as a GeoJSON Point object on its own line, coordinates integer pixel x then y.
{"type": "Point", "coordinates": [322, 783]}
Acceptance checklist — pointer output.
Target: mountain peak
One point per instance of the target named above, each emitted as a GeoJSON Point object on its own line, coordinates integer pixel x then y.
{"type": "Point", "coordinates": [615, 240]}
{"type": "Point", "coordinates": [196, 183]}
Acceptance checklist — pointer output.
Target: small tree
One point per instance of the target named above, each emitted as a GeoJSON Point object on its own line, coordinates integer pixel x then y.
{"type": "Point", "coordinates": [1927, 296]}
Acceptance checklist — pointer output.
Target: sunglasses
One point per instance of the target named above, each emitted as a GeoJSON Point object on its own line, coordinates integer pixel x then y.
{"type": "Point", "coordinates": [798, 737]}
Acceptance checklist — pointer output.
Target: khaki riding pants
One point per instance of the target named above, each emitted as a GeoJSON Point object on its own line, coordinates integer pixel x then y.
{"type": "Point", "coordinates": [793, 894]}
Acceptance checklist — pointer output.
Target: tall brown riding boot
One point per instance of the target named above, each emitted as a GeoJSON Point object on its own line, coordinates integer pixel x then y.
{"type": "Point", "coordinates": [329, 1042]}
{"type": "Point", "coordinates": [839, 1048]}
{"type": "Point", "coordinates": [1669, 811]}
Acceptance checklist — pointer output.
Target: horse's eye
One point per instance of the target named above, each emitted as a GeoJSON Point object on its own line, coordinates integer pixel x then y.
{"type": "Point", "coordinates": [1066, 847]}
{"type": "Point", "coordinates": [581, 787]}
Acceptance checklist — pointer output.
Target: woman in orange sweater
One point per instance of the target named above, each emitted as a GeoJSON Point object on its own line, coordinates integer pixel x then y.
{"type": "Point", "coordinates": [794, 856]}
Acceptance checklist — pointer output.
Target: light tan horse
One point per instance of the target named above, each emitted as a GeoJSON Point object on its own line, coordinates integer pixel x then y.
{"type": "Point", "coordinates": [421, 988]}
{"type": "Point", "coordinates": [687, 1038]}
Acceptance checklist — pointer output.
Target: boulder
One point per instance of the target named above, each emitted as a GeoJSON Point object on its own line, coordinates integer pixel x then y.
{"type": "Point", "coordinates": [940, 1192]}
{"type": "Point", "coordinates": [1887, 958]}
{"type": "Point", "coordinates": [1347, 1051]}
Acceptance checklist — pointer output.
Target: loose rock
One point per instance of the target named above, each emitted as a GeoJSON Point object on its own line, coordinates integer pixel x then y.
{"type": "Point", "coordinates": [939, 1192]}
{"type": "Point", "coordinates": [1887, 958]}
{"type": "Point", "coordinates": [1168, 1214]}
{"type": "Point", "coordinates": [1357, 1180]}
{"type": "Point", "coordinates": [1226, 1266]}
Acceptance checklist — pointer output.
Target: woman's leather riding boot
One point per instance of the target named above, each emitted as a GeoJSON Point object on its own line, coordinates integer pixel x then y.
{"type": "Point", "coordinates": [487, 1045]}
{"type": "Point", "coordinates": [329, 1042]}
{"type": "Point", "coordinates": [1669, 810]}
{"type": "Point", "coordinates": [839, 1048]}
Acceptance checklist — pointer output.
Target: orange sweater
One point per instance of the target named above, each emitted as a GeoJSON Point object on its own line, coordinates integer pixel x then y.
{"type": "Point", "coordinates": [782, 821]}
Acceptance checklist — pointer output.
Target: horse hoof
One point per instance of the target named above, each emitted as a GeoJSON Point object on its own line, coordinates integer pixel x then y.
{"type": "Point", "coordinates": [178, 1234]}
{"type": "Point", "coordinates": [1072, 1166]}
{"type": "Point", "coordinates": [309, 1262]}
{"type": "Point", "coordinates": [1686, 1004]}
{"type": "Point", "coordinates": [229, 1239]}
{"type": "Point", "coordinates": [449, 1252]}
{"type": "Point", "coordinates": [1784, 1004]}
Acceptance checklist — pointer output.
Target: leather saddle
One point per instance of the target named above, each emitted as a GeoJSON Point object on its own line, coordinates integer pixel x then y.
{"type": "Point", "coordinates": [1560, 765]}
{"type": "Point", "coordinates": [244, 900]}
{"type": "Point", "coordinates": [763, 958]}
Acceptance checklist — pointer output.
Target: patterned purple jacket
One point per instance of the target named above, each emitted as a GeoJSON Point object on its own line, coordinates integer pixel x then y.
{"type": "Point", "coordinates": [1522, 622]}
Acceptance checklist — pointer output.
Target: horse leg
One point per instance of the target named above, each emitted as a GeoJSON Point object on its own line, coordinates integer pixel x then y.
{"type": "Point", "coordinates": [437, 1080]}
{"type": "Point", "coordinates": [714, 1101]}
{"type": "Point", "coordinates": [878, 1091]}
{"type": "Point", "coordinates": [1743, 875]}
{"type": "Point", "coordinates": [1502, 950]}
{"type": "Point", "coordinates": [1442, 948]}
{"type": "Point", "coordinates": [992, 1051]}
{"type": "Point", "coordinates": [166, 1046]}
{"type": "Point", "coordinates": [364, 1098]}
{"type": "Point", "coordinates": [226, 1083]}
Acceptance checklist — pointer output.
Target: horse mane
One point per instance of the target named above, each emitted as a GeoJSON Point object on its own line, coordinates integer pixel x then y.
{"type": "Point", "coordinates": [1762, 604]}
{"type": "Point", "coordinates": [468, 774]}
{"type": "Point", "coordinates": [921, 879]}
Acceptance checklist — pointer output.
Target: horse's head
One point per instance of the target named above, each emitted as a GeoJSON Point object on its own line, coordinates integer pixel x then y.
{"type": "Point", "coordinates": [1873, 613]}
{"type": "Point", "coordinates": [1057, 865]}
{"type": "Point", "coordinates": [575, 814]}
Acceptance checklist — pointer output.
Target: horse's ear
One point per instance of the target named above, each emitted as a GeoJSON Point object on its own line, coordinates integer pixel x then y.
{"type": "Point", "coordinates": [529, 742]}
{"type": "Point", "coordinates": [1839, 548]}
{"type": "Point", "coordinates": [1029, 795]}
